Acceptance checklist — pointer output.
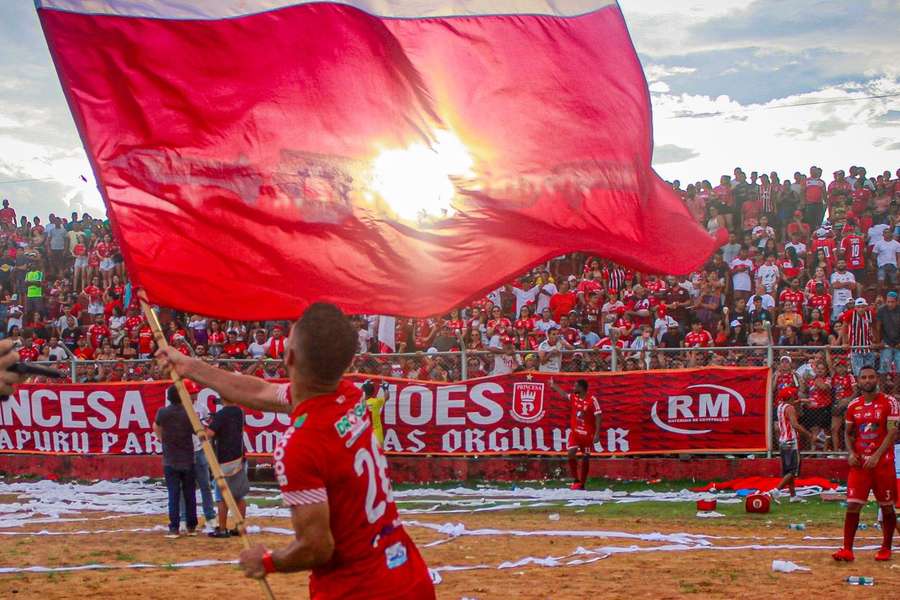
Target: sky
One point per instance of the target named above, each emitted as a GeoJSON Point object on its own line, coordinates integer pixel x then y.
{"type": "Point", "coordinates": [724, 78]}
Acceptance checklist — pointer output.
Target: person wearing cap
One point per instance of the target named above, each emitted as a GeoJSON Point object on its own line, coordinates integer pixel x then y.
{"type": "Point", "coordinates": [173, 428]}
{"type": "Point", "coordinates": [887, 336]}
{"type": "Point", "coordinates": [788, 430]}
{"type": "Point", "coordinates": [857, 335]}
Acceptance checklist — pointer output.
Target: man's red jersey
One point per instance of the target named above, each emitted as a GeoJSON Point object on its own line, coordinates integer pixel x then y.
{"type": "Point", "coordinates": [329, 454]}
{"type": "Point", "coordinates": [871, 419]}
{"type": "Point", "coordinates": [853, 246]}
{"type": "Point", "coordinates": [582, 417]}
{"type": "Point", "coordinates": [789, 295]}
{"type": "Point", "coordinates": [842, 385]}
{"type": "Point", "coordinates": [698, 339]}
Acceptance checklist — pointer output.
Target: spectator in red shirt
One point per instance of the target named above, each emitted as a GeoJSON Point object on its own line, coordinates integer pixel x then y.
{"type": "Point", "coordinates": [563, 301]}
{"type": "Point", "coordinates": [814, 194]}
{"type": "Point", "coordinates": [234, 348]}
{"type": "Point", "coordinates": [83, 350]}
{"type": "Point", "coordinates": [98, 332]}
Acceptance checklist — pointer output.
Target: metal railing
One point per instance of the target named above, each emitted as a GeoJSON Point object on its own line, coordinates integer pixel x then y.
{"type": "Point", "coordinates": [466, 364]}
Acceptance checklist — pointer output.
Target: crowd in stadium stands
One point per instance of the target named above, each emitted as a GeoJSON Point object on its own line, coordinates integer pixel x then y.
{"type": "Point", "coordinates": [810, 267]}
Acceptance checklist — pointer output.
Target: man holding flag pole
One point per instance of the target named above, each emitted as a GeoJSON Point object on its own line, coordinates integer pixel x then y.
{"type": "Point", "coordinates": [330, 468]}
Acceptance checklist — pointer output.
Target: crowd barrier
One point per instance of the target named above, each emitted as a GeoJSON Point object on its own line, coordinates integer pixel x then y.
{"type": "Point", "coordinates": [714, 410]}
{"type": "Point", "coordinates": [449, 367]}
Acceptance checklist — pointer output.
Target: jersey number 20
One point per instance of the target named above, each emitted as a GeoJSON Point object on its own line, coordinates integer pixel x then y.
{"type": "Point", "coordinates": [374, 465]}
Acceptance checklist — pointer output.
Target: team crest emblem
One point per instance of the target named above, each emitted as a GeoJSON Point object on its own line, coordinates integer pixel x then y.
{"type": "Point", "coordinates": [528, 402]}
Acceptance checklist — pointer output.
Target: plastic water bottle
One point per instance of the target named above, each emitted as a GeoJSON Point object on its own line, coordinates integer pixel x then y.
{"type": "Point", "coordinates": [797, 526]}
{"type": "Point", "coordinates": [857, 580]}
{"type": "Point", "coordinates": [863, 527]}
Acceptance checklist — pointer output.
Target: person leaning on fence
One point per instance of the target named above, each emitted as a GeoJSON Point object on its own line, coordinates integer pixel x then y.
{"type": "Point", "coordinates": [173, 428]}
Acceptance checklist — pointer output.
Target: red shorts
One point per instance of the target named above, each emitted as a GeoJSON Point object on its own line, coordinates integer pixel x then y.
{"type": "Point", "coordinates": [882, 481]}
{"type": "Point", "coordinates": [582, 442]}
{"type": "Point", "coordinates": [407, 580]}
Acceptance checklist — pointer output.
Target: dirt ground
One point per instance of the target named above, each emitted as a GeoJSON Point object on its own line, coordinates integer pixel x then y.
{"type": "Point", "coordinates": [706, 573]}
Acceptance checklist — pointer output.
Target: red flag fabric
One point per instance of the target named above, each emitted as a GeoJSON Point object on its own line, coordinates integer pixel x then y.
{"type": "Point", "coordinates": [256, 156]}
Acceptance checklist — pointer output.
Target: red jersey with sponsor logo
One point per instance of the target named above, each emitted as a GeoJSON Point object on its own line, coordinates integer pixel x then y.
{"type": "Point", "coordinates": [28, 354]}
{"type": "Point", "coordinates": [571, 335]}
{"type": "Point", "coordinates": [821, 398]}
{"type": "Point", "coordinates": [145, 339]}
{"type": "Point", "coordinates": [853, 246]}
{"type": "Point", "coordinates": [842, 385]}
{"type": "Point", "coordinates": [698, 339]}
{"type": "Point", "coordinates": [457, 326]}
{"type": "Point", "coordinates": [526, 324]}
{"type": "Point", "coordinates": [131, 323]}
{"type": "Point", "coordinates": [790, 295]}
{"type": "Point", "coordinates": [329, 455]}
{"type": "Point", "coordinates": [823, 303]}
{"type": "Point", "coordinates": [871, 419]}
{"type": "Point", "coordinates": [583, 413]}
{"type": "Point", "coordinates": [499, 325]}
{"type": "Point", "coordinates": [785, 379]}
{"type": "Point", "coordinates": [96, 333]}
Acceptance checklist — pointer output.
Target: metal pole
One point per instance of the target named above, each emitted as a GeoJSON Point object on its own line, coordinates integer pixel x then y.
{"type": "Point", "coordinates": [200, 432]}
{"type": "Point", "coordinates": [464, 367]}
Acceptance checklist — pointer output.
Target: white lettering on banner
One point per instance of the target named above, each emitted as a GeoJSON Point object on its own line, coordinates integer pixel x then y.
{"type": "Point", "coordinates": [132, 444]}
{"type": "Point", "coordinates": [6, 442]}
{"type": "Point", "coordinates": [22, 438]}
{"type": "Point", "coordinates": [426, 405]}
{"type": "Point", "coordinates": [617, 440]}
{"type": "Point", "coordinates": [474, 440]}
{"type": "Point", "coordinates": [264, 442]}
{"type": "Point", "coordinates": [94, 400]}
{"type": "Point", "coordinates": [18, 406]}
{"type": "Point", "coordinates": [680, 409]}
{"type": "Point", "coordinates": [560, 439]}
{"type": "Point", "coordinates": [445, 403]}
{"type": "Point", "coordinates": [133, 411]}
{"type": "Point", "coordinates": [152, 443]}
{"type": "Point", "coordinates": [262, 420]}
{"type": "Point", "coordinates": [60, 441]}
{"type": "Point", "coordinates": [68, 409]}
{"type": "Point", "coordinates": [495, 445]}
{"type": "Point", "coordinates": [479, 397]}
{"type": "Point", "coordinates": [38, 397]}
{"type": "Point", "coordinates": [107, 441]}
{"type": "Point", "coordinates": [451, 441]}
{"type": "Point", "coordinates": [391, 441]}
{"type": "Point", "coordinates": [413, 437]}
{"type": "Point", "coordinates": [389, 412]}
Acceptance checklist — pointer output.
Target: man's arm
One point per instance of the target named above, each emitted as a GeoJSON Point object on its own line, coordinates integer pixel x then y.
{"type": "Point", "coordinates": [244, 390]}
{"type": "Point", "coordinates": [158, 431]}
{"type": "Point", "coordinates": [557, 389]}
{"type": "Point", "coordinates": [597, 418]}
{"type": "Point", "coordinates": [792, 417]}
{"type": "Point", "coordinates": [313, 544]}
{"type": "Point", "coordinates": [850, 443]}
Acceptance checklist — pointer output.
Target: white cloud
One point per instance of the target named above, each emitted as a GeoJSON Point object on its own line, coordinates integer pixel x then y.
{"type": "Point", "coordinates": [776, 136]}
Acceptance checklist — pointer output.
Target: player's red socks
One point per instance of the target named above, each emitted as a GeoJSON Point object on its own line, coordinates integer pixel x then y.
{"type": "Point", "coordinates": [573, 467]}
{"type": "Point", "coordinates": [888, 525]}
{"type": "Point", "coordinates": [585, 469]}
{"type": "Point", "coordinates": [851, 523]}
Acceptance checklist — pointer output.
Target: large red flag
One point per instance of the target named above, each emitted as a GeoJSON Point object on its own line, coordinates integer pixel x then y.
{"type": "Point", "coordinates": [256, 156]}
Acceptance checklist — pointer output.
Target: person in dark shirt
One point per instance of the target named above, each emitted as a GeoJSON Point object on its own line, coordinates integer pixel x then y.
{"type": "Point", "coordinates": [173, 427]}
{"type": "Point", "coordinates": [227, 432]}
{"type": "Point", "coordinates": [887, 332]}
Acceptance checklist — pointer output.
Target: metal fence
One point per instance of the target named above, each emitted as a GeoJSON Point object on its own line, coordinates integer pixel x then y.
{"type": "Point", "coordinates": [824, 423]}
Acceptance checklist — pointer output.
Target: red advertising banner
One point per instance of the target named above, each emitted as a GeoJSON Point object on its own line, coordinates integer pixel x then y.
{"type": "Point", "coordinates": [719, 409]}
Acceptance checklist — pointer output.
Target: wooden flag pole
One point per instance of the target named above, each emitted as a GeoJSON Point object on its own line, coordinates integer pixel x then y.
{"type": "Point", "coordinates": [200, 432]}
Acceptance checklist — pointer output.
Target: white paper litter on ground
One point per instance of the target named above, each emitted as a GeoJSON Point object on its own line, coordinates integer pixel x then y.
{"type": "Point", "coordinates": [786, 566]}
